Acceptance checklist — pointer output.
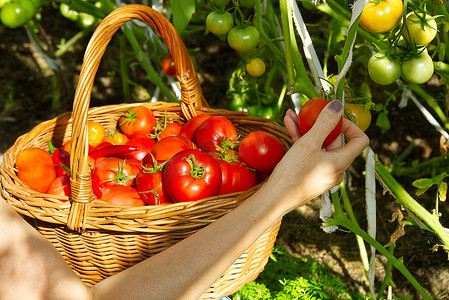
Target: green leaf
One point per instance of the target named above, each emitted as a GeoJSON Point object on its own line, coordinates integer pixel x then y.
{"type": "Point", "coordinates": [383, 122]}
{"type": "Point", "coordinates": [423, 183]}
{"type": "Point", "coordinates": [442, 191]}
{"type": "Point", "coordinates": [182, 13]}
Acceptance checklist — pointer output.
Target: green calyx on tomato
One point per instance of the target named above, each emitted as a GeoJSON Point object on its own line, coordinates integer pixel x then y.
{"type": "Point", "coordinates": [419, 29]}
{"type": "Point", "coordinates": [17, 13]}
{"type": "Point", "coordinates": [196, 171]}
{"type": "Point", "coordinates": [243, 38]}
{"type": "Point", "coordinates": [219, 22]}
{"type": "Point", "coordinates": [381, 16]}
{"type": "Point", "coordinates": [383, 70]}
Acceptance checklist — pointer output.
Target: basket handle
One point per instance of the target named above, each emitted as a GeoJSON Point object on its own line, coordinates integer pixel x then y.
{"type": "Point", "coordinates": [191, 95]}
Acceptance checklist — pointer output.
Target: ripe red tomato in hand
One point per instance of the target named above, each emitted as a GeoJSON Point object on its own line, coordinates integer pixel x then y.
{"type": "Point", "coordinates": [308, 115]}
{"type": "Point", "coordinates": [144, 143]}
{"type": "Point", "coordinates": [168, 65]}
{"type": "Point", "coordinates": [150, 184]}
{"type": "Point", "coordinates": [261, 150]}
{"type": "Point", "coordinates": [168, 147]}
{"type": "Point", "coordinates": [137, 120]}
{"type": "Point", "coordinates": [216, 131]}
{"type": "Point", "coordinates": [35, 167]}
{"type": "Point", "coordinates": [190, 128]}
{"type": "Point", "coordinates": [192, 175]}
{"type": "Point", "coordinates": [113, 171]}
{"type": "Point", "coordinates": [121, 195]}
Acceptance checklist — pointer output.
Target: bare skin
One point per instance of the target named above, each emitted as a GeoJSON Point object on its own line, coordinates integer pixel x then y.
{"type": "Point", "coordinates": [31, 268]}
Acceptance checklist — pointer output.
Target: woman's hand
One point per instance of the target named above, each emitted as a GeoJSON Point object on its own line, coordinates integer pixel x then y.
{"type": "Point", "coordinates": [307, 170]}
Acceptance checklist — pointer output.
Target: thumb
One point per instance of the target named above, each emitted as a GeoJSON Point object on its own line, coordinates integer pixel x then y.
{"type": "Point", "coordinates": [327, 120]}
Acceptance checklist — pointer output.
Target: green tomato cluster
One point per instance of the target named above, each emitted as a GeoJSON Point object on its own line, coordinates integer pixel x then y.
{"type": "Point", "coordinates": [15, 13]}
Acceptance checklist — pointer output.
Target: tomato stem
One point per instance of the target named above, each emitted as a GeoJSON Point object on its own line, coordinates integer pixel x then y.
{"type": "Point", "coordinates": [197, 171]}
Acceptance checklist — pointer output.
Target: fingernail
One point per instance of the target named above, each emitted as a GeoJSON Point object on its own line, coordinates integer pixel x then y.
{"type": "Point", "coordinates": [335, 106]}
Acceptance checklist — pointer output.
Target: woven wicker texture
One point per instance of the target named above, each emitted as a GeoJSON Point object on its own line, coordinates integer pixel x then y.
{"type": "Point", "coordinates": [98, 239]}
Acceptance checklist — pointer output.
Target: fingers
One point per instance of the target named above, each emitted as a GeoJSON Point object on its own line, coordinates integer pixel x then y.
{"type": "Point", "coordinates": [291, 124]}
{"type": "Point", "coordinates": [326, 122]}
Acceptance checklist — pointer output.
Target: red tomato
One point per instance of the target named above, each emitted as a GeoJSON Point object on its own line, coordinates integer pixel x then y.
{"type": "Point", "coordinates": [136, 165]}
{"type": "Point", "coordinates": [137, 120]}
{"type": "Point", "coordinates": [261, 150]}
{"type": "Point", "coordinates": [172, 129]}
{"type": "Point", "coordinates": [166, 148]}
{"type": "Point", "coordinates": [192, 175]}
{"type": "Point", "coordinates": [121, 195]}
{"type": "Point", "coordinates": [113, 171]}
{"type": "Point", "coordinates": [216, 131]}
{"type": "Point", "coordinates": [168, 65]}
{"type": "Point", "coordinates": [190, 128]}
{"type": "Point", "coordinates": [144, 143]}
{"type": "Point", "coordinates": [150, 184]}
{"type": "Point", "coordinates": [236, 176]}
{"type": "Point", "coordinates": [308, 115]}
{"type": "Point", "coordinates": [60, 186]}
{"type": "Point", "coordinates": [35, 167]}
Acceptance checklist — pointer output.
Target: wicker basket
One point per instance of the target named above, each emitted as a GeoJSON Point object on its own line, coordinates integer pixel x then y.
{"type": "Point", "coordinates": [98, 239]}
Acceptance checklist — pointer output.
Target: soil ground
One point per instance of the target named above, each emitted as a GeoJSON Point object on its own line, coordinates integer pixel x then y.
{"type": "Point", "coordinates": [25, 98]}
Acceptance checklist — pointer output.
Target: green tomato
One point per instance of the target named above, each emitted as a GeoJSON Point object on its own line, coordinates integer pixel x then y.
{"type": "Point", "coordinates": [238, 103]}
{"type": "Point", "coordinates": [68, 13]}
{"type": "Point", "coordinates": [419, 32]}
{"type": "Point", "coordinates": [86, 20]}
{"type": "Point", "coordinates": [418, 69]}
{"type": "Point", "coordinates": [219, 23]}
{"type": "Point", "coordinates": [17, 13]}
{"type": "Point", "coordinates": [3, 2]}
{"type": "Point", "coordinates": [243, 39]}
{"type": "Point", "coordinates": [383, 70]}
{"type": "Point", "coordinates": [256, 67]}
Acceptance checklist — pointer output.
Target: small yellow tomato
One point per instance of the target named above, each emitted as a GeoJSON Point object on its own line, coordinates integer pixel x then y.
{"type": "Point", "coordinates": [256, 67]}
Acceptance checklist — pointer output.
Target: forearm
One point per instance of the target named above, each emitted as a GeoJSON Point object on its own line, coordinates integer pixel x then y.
{"type": "Point", "coordinates": [188, 268]}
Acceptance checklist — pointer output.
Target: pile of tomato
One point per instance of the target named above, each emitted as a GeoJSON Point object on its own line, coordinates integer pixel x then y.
{"type": "Point", "coordinates": [150, 162]}
{"type": "Point", "coordinates": [408, 34]}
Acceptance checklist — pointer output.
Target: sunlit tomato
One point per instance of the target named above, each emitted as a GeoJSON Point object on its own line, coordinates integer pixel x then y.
{"type": "Point", "coordinates": [381, 16]}
{"type": "Point", "coordinates": [117, 138]}
{"type": "Point", "coordinates": [382, 70]}
{"type": "Point", "coordinates": [308, 115]}
{"type": "Point", "coordinates": [113, 171]}
{"type": "Point", "coordinates": [419, 30]}
{"type": "Point", "coordinates": [172, 129]}
{"type": "Point", "coordinates": [192, 175]}
{"type": "Point", "coordinates": [418, 69]}
{"type": "Point", "coordinates": [256, 67]}
{"type": "Point", "coordinates": [358, 114]}
{"type": "Point", "coordinates": [121, 195]}
{"type": "Point", "coordinates": [60, 187]}
{"type": "Point", "coordinates": [143, 142]}
{"type": "Point", "coordinates": [168, 147]}
{"type": "Point", "coordinates": [216, 131]}
{"type": "Point", "coordinates": [35, 168]}
{"type": "Point", "coordinates": [243, 39]}
{"type": "Point", "coordinates": [261, 150]}
{"type": "Point", "coordinates": [137, 120]}
{"type": "Point", "coordinates": [219, 22]}
{"type": "Point", "coordinates": [168, 65]}
{"type": "Point", "coordinates": [136, 165]}
{"type": "Point", "coordinates": [150, 184]}
{"type": "Point", "coordinates": [96, 133]}
{"type": "Point", "coordinates": [190, 128]}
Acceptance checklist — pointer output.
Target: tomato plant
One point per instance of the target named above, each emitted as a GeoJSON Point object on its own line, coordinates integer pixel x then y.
{"type": "Point", "coordinates": [35, 167]}
{"type": "Point", "coordinates": [358, 114]}
{"type": "Point", "coordinates": [190, 128]}
{"type": "Point", "coordinates": [419, 29]}
{"type": "Point", "coordinates": [256, 67]}
{"type": "Point", "coordinates": [150, 184]}
{"type": "Point", "coordinates": [418, 69]}
{"type": "Point", "coordinates": [308, 115]}
{"type": "Point", "coordinates": [382, 70]}
{"type": "Point", "coordinates": [243, 39]}
{"type": "Point", "coordinates": [17, 12]}
{"type": "Point", "coordinates": [121, 195]}
{"type": "Point", "coordinates": [168, 147]}
{"type": "Point", "coordinates": [219, 22]}
{"type": "Point", "coordinates": [381, 16]}
{"type": "Point", "coordinates": [168, 65]}
{"type": "Point", "coordinates": [216, 131]}
{"type": "Point", "coordinates": [137, 120]}
{"type": "Point", "coordinates": [96, 133]}
{"type": "Point", "coordinates": [261, 150]}
{"type": "Point", "coordinates": [113, 171]}
{"type": "Point", "coordinates": [192, 175]}
{"type": "Point", "coordinates": [247, 3]}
